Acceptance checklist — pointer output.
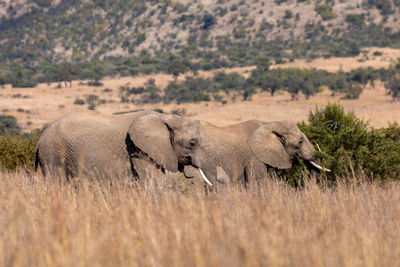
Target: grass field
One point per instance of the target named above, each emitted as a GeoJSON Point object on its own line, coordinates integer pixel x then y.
{"type": "Point", "coordinates": [48, 222]}
{"type": "Point", "coordinates": [45, 222]}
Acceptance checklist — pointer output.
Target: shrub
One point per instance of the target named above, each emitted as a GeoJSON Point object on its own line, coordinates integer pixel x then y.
{"type": "Point", "coordinates": [8, 125]}
{"type": "Point", "coordinates": [92, 106]}
{"type": "Point", "coordinates": [191, 90]}
{"type": "Point", "coordinates": [393, 86]}
{"type": "Point", "coordinates": [325, 11]}
{"type": "Point", "coordinates": [151, 93]}
{"type": "Point", "coordinates": [227, 82]}
{"type": "Point", "coordinates": [288, 14]}
{"type": "Point", "coordinates": [383, 5]}
{"type": "Point", "coordinates": [23, 83]}
{"type": "Point", "coordinates": [352, 91]}
{"type": "Point", "coordinates": [208, 20]}
{"type": "Point", "coordinates": [91, 98]}
{"type": "Point", "coordinates": [79, 101]}
{"type": "Point", "coordinates": [95, 83]}
{"type": "Point", "coordinates": [349, 146]}
{"type": "Point", "coordinates": [355, 19]}
{"type": "Point", "coordinates": [176, 66]}
{"type": "Point", "coordinates": [18, 151]}
{"type": "Point", "coordinates": [43, 3]}
{"type": "Point", "coordinates": [377, 53]}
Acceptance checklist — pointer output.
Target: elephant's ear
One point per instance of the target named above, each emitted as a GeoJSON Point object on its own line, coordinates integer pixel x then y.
{"type": "Point", "coordinates": [151, 134]}
{"type": "Point", "coordinates": [267, 147]}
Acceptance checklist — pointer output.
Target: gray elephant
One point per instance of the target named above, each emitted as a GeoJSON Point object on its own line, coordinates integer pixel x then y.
{"type": "Point", "coordinates": [245, 150]}
{"type": "Point", "coordinates": [91, 143]}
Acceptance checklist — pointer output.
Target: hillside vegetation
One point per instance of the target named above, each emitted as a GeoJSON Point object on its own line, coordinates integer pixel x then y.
{"type": "Point", "coordinates": [134, 36]}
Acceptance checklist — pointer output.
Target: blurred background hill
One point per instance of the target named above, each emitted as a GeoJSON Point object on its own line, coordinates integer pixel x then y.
{"type": "Point", "coordinates": [127, 37]}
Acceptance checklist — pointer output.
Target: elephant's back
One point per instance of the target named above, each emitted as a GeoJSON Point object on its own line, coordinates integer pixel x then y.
{"type": "Point", "coordinates": [90, 137]}
{"type": "Point", "coordinates": [92, 123]}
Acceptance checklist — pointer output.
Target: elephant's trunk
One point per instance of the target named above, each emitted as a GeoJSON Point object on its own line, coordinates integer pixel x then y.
{"type": "Point", "coordinates": [307, 152]}
{"type": "Point", "coordinates": [205, 165]}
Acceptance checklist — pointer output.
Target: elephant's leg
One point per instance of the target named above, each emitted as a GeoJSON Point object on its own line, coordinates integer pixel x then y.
{"type": "Point", "coordinates": [143, 169]}
{"type": "Point", "coordinates": [255, 171]}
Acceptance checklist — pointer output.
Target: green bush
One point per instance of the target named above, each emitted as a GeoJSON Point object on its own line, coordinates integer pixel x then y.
{"type": "Point", "coordinates": [393, 86]}
{"type": "Point", "coordinates": [151, 93]}
{"type": "Point", "coordinates": [23, 83]}
{"type": "Point", "coordinates": [95, 83]}
{"type": "Point", "coordinates": [92, 106]}
{"type": "Point", "coordinates": [355, 19]}
{"type": "Point", "coordinates": [191, 90]}
{"type": "Point", "coordinates": [350, 147]}
{"type": "Point", "coordinates": [91, 98]}
{"type": "Point", "coordinates": [18, 151]}
{"type": "Point", "coordinates": [227, 82]}
{"type": "Point", "coordinates": [352, 91]}
{"type": "Point", "coordinates": [325, 11]}
{"type": "Point", "coordinates": [8, 125]}
{"type": "Point", "coordinates": [208, 20]}
{"type": "Point", "coordinates": [383, 5]}
{"type": "Point", "coordinates": [79, 101]}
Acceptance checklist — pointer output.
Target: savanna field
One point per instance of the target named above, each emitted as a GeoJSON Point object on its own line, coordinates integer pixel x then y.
{"type": "Point", "coordinates": [343, 219]}
{"type": "Point", "coordinates": [332, 67]}
{"type": "Point", "coordinates": [46, 222]}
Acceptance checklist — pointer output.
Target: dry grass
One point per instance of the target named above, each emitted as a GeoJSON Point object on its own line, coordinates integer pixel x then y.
{"type": "Point", "coordinates": [46, 222]}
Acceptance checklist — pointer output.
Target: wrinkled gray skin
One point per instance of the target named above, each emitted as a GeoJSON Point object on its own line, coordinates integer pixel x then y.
{"type": "Point", "coordinates": [245, 150]}
{"type": "Point", "coordinates": [93, 144]}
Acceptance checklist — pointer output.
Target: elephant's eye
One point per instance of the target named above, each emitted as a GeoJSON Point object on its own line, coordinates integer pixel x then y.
{"type": "Point", "coordinates": [300, 142]}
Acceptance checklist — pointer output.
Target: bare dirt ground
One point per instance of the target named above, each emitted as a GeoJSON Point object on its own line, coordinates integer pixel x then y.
{"type": "Point", "coordinates": [34, 107]}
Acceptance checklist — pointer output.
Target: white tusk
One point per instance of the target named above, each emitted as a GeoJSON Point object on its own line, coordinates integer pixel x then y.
{"type": "Point", "coordinates": [204, 177]}
{"type": "Point", "coordinates": [319, 167]}
{"type": "Point", "coordinates": [319, 149]}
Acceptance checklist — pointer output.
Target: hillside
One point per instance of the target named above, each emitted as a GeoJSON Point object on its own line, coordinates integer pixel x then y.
{"type": "Point", "coordinates": [34, 31]}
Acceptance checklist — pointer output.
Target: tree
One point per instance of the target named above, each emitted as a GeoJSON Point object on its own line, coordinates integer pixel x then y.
{"type": "Point", "coordinates": [95, 72]}
{"type": "Point", "coordinates": [65, 72]}
{"type": "Point", "coordinates": [176, 66]}
{"type": "Point", "coordinates": [249, 88]}
{"type": "Point", "coordinates": [208, 20]}
{"type": "Point", "coordinates": [353, 91]}
{"type": "Point", "coordinates": [151, 92]}
{"type": "Point", "coordinates": [44, 3]}
{"type": "Point", "coordinates": [296, 84]}
{"type": "Point", "coordinates": [263, 63]}
{"type": "Point", "coordinates": [338, 82]}
{"type": "Point", "coordinates": [8, 125]}
{"type": "Point", "coordinates": [21, 77]}
{"type": "Point", "coordinates": [393, 86]}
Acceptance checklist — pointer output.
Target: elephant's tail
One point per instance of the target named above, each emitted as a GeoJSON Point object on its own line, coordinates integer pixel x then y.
{"type": "Point", "coordinates": [35, 167]}
{"type": "Point", "coordinates": [38, 162]}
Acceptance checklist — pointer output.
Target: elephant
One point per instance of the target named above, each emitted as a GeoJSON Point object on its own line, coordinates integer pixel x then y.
{"type": "Point", "coordinates": [245, 150]}
{"type": "Point", "coordinates": [89, 143]}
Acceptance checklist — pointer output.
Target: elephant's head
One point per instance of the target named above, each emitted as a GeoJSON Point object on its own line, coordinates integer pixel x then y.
{"type": "Point", "coordinates": [277, 143]}
{"type": "Point", "coordinates": [173, 143]}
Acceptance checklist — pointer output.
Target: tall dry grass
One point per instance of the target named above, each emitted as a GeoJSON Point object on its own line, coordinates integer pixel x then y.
{"type": "Point", "coordinates": [48, 222]}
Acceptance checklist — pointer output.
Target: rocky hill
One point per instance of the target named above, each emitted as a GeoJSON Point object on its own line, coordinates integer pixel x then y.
{"type": "Point", "coordinates": [78, 30]}
{"type": "Point", "coordinates": [41, 39]}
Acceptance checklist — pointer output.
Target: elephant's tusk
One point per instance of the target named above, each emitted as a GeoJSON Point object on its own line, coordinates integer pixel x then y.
{"type": "Point", "coordinates": [204, 177]}
{"type": "Point", "coordinates": [319, 167]}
